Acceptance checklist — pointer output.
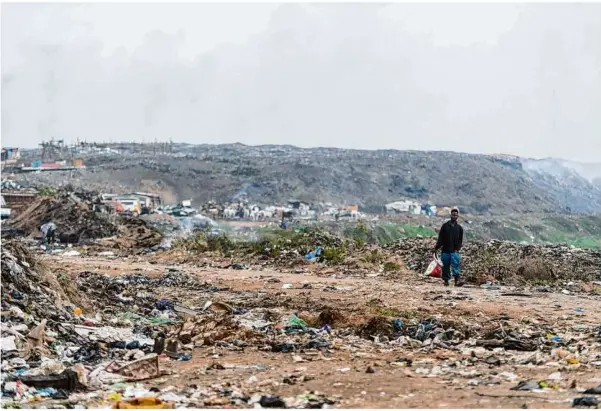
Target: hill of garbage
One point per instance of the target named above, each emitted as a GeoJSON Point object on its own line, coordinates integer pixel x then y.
{"type": "Point", "coordinates": [369, 178]}
{"type": "Point", "coordinates": [79, 220]}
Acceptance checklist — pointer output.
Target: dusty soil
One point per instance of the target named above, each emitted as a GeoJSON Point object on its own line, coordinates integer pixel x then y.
{"type": "Point", "coordinates": [355, 300]}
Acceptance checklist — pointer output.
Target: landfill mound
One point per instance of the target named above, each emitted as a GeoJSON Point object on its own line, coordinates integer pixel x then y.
{"type": "Point", "coordinates": [134, 233]}
{"type": "Point", "coordinates": [508, 262]}
{"type": "Point", "coordinates": [76, 222]}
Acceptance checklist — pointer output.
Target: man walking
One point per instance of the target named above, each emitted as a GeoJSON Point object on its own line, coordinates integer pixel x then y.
{"type": "Point", "coordinates": [450, 239]}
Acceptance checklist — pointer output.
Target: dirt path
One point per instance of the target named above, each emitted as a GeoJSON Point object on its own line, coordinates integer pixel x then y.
{"type": "Point", "coordinates": [460, 381]}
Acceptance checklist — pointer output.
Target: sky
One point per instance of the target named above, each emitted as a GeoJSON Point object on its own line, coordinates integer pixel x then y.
{"type": "Point", "coordinates": [522, 79]}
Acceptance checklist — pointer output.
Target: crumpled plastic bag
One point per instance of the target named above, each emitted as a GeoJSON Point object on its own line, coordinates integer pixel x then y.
{"type": "Point", "coordinates": [434, 268]}
{"type": "Point", "coordinates": [8, 344]}
{"type": "Point", "coordinates": [47, 367]}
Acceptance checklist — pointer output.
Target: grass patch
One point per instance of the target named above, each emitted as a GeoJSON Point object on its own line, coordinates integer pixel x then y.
{"type": "Point", "coordinates": [418, 231]}
{"type": "Point", "coordinates": [386, 311]}
{"type": "Point", "coordinates": [586, 242]}
{"type": "Point", "coordinates": [333, 255]}
{"type": "Point", "coordinates": [582, 241]}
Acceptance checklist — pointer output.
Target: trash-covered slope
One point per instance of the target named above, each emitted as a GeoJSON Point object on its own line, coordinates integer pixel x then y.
{"type": "Point", "coordinates": [274, 174]}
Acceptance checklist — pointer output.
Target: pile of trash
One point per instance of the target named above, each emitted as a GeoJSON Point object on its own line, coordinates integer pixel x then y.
{"type": "Point", "coordinates": [46, 339]}
{"type": "Point", "coordinates": [34, 307]}
{"type": "Point", "coordinates": [53, 350]}
{"type": "Point", "coordinates": [507, 262]}
{"type": "Point", "coordinates": [137, 290]}
{"type": "Point", "coordinates": [134, 233]}
{"type": "Point", "coordinates": [78, 221]}
{"type": "Point", "coordinates": [165, 223]}
{"type": "Point", "coordinates": [75, 219]}
{"type": "Point", "coordinates": [9, 185]}
{"type": "Point", "coordinates": [29, 291]}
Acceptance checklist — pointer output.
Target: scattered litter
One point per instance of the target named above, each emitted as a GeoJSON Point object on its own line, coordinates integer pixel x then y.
{"type": "Point", "coordinates": [585, 402]}
{"type": "Point", "coordinates": [527, 386]}
{"type": "Point", "coordinates": [71, 253]}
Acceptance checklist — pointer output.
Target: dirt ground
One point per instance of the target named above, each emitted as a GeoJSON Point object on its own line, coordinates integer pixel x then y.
{"type": "Point", "coordinates": [341, 373]}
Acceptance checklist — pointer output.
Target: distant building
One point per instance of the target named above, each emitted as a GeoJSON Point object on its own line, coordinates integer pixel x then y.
{"type": "Point", "coordinates": [300, 207]}
{"type": "Point", "coordinates": [404, 207]}
{"type": "Point", "coordinates": [148, 199]}
{"type": "Point", "coordinates": [10, 154]}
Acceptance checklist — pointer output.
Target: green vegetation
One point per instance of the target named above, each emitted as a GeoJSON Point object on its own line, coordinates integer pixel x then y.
{"type": "Point", "coordinates": [270, 244]}
{"type": "Point", "coordinates": [385, 311]}
{"type": "Point", "coordinates": [334, 255]}
{"type": "Point", "coordinates": [418, 231]}
{"type": "Point", "coordinates": [559, 237]}
{"type": "Point", "coordinates": [359, 233]}
{"type": "Point", "coordinates": [48, 191]}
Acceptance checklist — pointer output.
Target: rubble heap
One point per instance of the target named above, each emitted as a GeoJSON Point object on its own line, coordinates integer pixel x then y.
{"type": "Point", "coordinates": [134, 233]}
{"type": "Point", "coordinates": [507, 261]}
{"type": "Point", "coordinates": [77, 221]}
{"type": "Point", "coordinates": [74, 217]}
{"type": "Point", "coordinates": [29, 293]}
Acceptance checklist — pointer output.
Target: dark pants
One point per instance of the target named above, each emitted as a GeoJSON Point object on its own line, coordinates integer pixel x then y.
{"type": "Point", "coordinates": [49, 237]}
{"type": "Point", "coordinates": [450, 261]}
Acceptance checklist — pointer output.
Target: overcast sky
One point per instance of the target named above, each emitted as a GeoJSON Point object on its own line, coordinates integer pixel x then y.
{"type": "Point", "coordinates": [520, 79]}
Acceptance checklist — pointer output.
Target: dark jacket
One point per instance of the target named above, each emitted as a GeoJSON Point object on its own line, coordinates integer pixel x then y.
{"type": "Point", "coordinates": [450, 237]}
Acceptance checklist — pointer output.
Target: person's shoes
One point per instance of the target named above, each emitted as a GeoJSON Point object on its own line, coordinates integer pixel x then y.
{"type": "Point", "coordinates": [446, 283]}
{"type": "Point", "coordinates": [458, 282]}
